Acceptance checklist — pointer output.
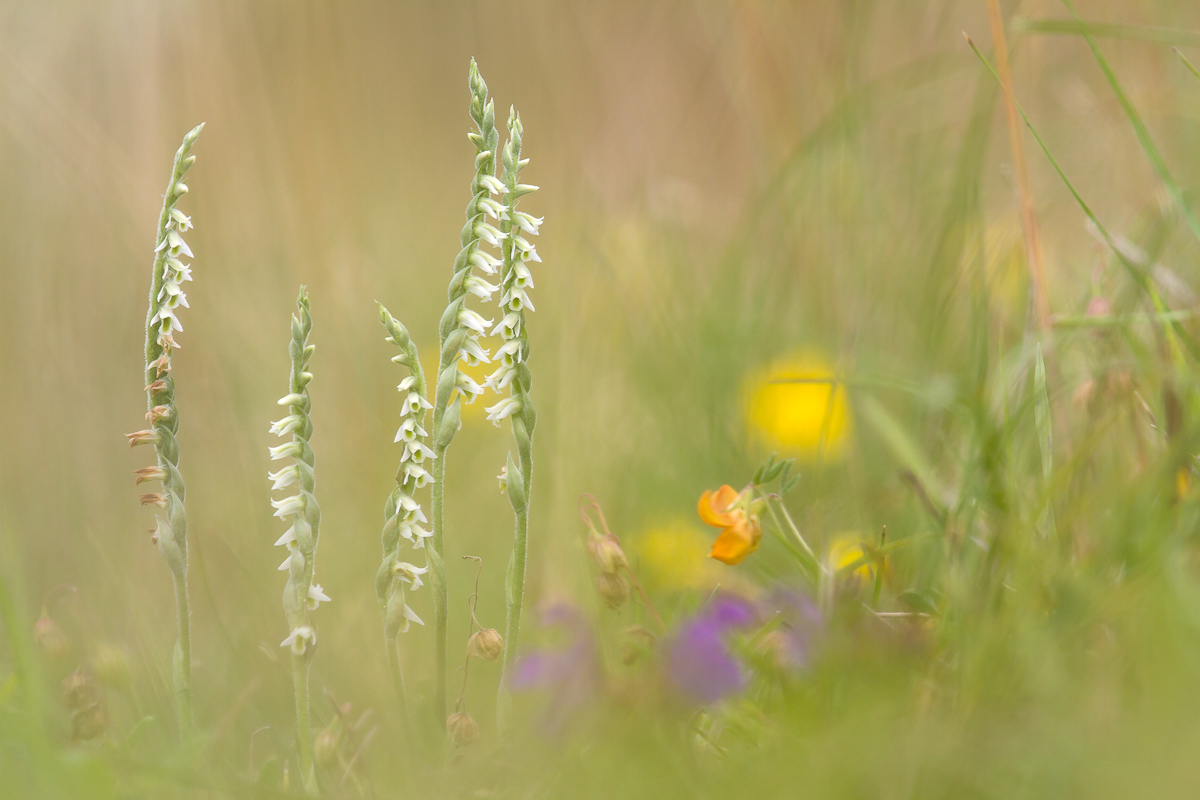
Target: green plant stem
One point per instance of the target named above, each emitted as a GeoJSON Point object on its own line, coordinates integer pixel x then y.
{"type": "Point", "coordinates": [392, 644]}
{"type": "Point", "coordinates": [437, 568]}
{"type": "Point", "coordinates": [516, 593]}
{"type": "Point", "coordinates": [303, 732]}
{"type": "Point", "coordinates": [183, 655]}
{"type": "Point", "coordinates": [168, 460]}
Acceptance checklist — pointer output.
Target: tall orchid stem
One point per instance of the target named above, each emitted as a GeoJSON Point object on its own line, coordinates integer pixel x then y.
{"type": "Point", "coordinates": [437, 568]}
{"type": "Point", "coordinates": [303, 731]}
{"type": "Point", "coordinates": [165, 295]}
{"type": "Point", "coordinates": [516, 594]}
{"type": "Point", "coordinates": [392, 643]}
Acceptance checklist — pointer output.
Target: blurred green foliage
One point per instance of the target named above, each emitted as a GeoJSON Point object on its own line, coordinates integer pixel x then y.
{"type": "Point", "coordinates": [725, 185]}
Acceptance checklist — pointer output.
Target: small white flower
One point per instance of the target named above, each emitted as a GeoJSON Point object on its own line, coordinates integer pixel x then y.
{"type": "Point", "coordinates": [508, 327]}
{"type": "Point", "coordinates": [501, 378]}
{"type": "Point", "coordinates": [414, 402]}
{"type": "Point", "coordinates": [489, 233]}
{"type": "Point", "coordinates": [284, 477]}
{"type": "Point", "coordinates": [409, 573]}
{"type": "Point", "coordinates": [181, 221]}
{"type": "Point", "coordinates": [472, 353]}
{"type": "Point", "coordinates": [515, 299]}
{"type": "Point", "coordinates": [485, 262]}
{"type": "Point", "coordinates": [525, 188]}
{"type": "Point", "coordinates": [527, 222]}
{"type": "Point", "coordinates": [409, 431]}
{"type": "Point", "coordinates": [468, 387]}
{"type": "Point", "coordinates": [286, 425]}
{"type": "Point", "coordinates": [492, 208]}
{"type": "Point", "coordinates": [505, 408]}
{"type": "Point", "coordinates": [481, 288]}
{"type": "Point", "coordinates": [409, 617]}
{"type": "Point", "coordinates": [522, 277]}
{"type": "Point", "coordinates": [287, 539]}
{"type": "Point", "coordinates": [493, 184]}
{"type": "Point", "coordinates": [510, 351]}
{"type": "Point", "coordinates": [179, 268]}
{"type": "Point", "coordinates": [416, 452]}
{"type": "Point", "coordinates": [166, 316]}
{"type": "Point", "coordinates": [291, 400]}
{"type": "Point", "coordinates": [471, 320]}
{"type": "Point", "coordinates": [300, 639]}
{"type": "Point", "coordinates": [177, 245]}
{"type": "Point", "coordinates": [316, 597]}
{"type": "Point", "coordinates": [288, 506]}
{"type": "Point", "coordinates": [285, 450]}
{"type": "Point", "coordinates": [294, 558]}
{"type": "Point", "coordinates": [407, 383]}
{"type": "Point", "coordinates": [418, 474]}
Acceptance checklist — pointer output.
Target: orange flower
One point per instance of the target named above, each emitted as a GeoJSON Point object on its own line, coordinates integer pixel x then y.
{"type": "Point", "coordinates": [740, 531]}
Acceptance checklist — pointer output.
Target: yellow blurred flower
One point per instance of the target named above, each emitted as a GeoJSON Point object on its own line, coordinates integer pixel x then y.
{"type": "Point", "coordinates": [673, 556]}
{"type": "Point", "coordinates": [847, 548]}
{"type": "Point", "coordinates": [844, 550]}
{"type": "Point", "coordinates": [795, 406]}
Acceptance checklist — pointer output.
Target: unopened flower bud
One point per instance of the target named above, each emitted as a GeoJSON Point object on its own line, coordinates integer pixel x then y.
{"type": "Point", "coordinates": [50, 639]}
{"type": "Point", "coordinates": [88, 723]}
{"type": "Point", "coordinates": [325, 747]}
{"type": "Point", "coordinates": [462, 728]}
{"type": "Point", "coordinates": [606, 552]}
{"type": "Point", "coordinates": [612, 588]}
{"type": "Point", "coordinates": [111, 666]}
{"type": "Point", "coordinates": [486, 644]}
{"type": "Point", "coordinates": [636, 641]}
{"type": "Point", "coordinates": [78, 691]}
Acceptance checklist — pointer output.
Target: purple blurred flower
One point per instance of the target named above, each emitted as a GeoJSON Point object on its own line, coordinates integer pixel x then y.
{"type": "Point", "coordinates": [699, 661]}
{"type": "Point", "coordinates": [571, 677]}
{"type": "Point", "coordinates": [800, 623]}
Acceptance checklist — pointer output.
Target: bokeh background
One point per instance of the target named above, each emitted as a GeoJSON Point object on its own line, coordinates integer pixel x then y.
{"type": "Point", "coordinates": [728, 187]}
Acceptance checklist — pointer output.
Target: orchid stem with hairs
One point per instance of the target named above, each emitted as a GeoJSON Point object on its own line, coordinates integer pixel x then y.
{"type": "Point", "coordinates": [458, 334]}
{"type": "Point", "coordinates": [300, 595]}
{"type": "Point", "coordinates": [402, 513]}
{"type": "Point", "coordinates": [513, 374]}
{"type": "Point", "coordinates": [166, 298]}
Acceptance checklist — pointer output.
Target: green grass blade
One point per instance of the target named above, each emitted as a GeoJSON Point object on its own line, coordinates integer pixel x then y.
{"type": "Point", "coordinates": [1139, 127]}
{"type": "Point", "coordinates": [1100, 30]}
{"type": "Point", "coordinates": [903, 446]}
{"type": "Point", "coordinates": [1041, 415]}
{"type": "Point", "coordinates": [1173, 329]}
{"type": "Point", "coordinates": [1187, 63]}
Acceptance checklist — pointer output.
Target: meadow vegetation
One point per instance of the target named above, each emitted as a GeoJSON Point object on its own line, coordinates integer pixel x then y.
{"type": "Point", "coordinates": [863, 379]}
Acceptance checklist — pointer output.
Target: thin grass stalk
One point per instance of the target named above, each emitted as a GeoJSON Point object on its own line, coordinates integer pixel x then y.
{"type": "Point", "coordinates": [1172, 326]}
{"type": "Point", "coordinates": [162, 323]}
{"type": "Point", "coordinates": [1033, 243]}
{"type": "Point", "coordinates": [458, 336]}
